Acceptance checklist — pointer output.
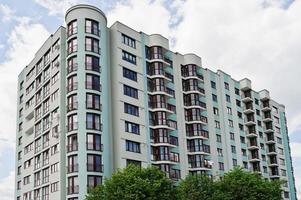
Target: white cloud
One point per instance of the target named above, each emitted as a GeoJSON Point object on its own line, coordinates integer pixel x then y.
{"type": "Point", "coordinates": [147, 16]}
{"type": "Point", "coordinates": [7, 12]}
{"type": "Point", "coordinates": [296, 149]}
{"type": "Point", "coordinates": [24, 39]}
{"type": "Point", "coordinates": [56, 7]}
{"type": "Point", "coordinates": [7, 187]}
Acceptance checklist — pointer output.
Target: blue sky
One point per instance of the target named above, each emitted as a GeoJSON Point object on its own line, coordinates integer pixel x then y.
{"type": "Point", "coordinates": [258, 39]}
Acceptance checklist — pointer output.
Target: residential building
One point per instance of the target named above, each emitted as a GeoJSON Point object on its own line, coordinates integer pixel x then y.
{"type": "Point", "coordinates": [96, 98]}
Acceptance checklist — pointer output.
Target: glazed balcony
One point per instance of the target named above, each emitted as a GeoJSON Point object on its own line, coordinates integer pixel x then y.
{"type": "Point", "coordinates": [73, 189]}
{"type": "Point", "coordinates": [93, 67]}
{"type": "Point", "coordinates": [195, 103]}
{"type": "Point", "coordinates": [198, 149]}
{"type": "Point", "coordinates": [197, 134]}
{"type": "Point", "coordinates": [72, 168]}
{"type": "Point", "coordinates": [72, 106]}
{"type": "Point", "coordinates": [93, 167]}
{"type": "Point", "coordinates": [72, 68]}
{"type": "Point", "coordinates": [72, 147]}
{"type": "Point", "coordinates": [72, 87]}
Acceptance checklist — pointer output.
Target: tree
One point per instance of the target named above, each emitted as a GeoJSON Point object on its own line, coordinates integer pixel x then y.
{"type": "Point", "coordinates": [243, 185]}
{"type": "Point", "coordinates": [134, 183]}
{"type": "Point", "coordinates": [195, 187]}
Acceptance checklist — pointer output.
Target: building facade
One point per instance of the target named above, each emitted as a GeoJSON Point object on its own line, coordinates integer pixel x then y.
{"type": "Point", "coordinates": [95, 99]}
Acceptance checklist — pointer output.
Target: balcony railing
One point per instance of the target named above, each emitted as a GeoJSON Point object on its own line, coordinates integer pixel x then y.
{"type": "Point", "coordinates": [72, 190]}
{"type": "Point", "coordinates": [72, 168]}
{"type": "Point", "coordinates": [202, 133]}
{"type": "Point", "coordinates": [91, 167]}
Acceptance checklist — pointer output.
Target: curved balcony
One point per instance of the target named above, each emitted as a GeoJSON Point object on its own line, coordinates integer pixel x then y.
{"type": "Point", "coordinates": [167, 158]}
{"type": "Point", "coordinates": [199, 149]}
{"type": "Point", "coordinates": [72, 87]}
{"type": "Point", "coordinates": [72, 168]}
{"type": "Point", "coordinates": [191, 72]}
{"type": "Point", "coordinates": [195, 118]}
{"type": "Point", "coordinates": [250, 121]}
{"type": "Point", "coordinates": [252, 145]}
{"type": "Point", "coordinates": [92, 167]}
{"type": "Point", "coordinates": [200, 165]}
{"type": "Point", "coordinates": [197, 134]}
{"type": "Point", "coordinates": [248, 109]}
{"type": "Point", "coordinates": [254, 157]}
{"type": "Point", "coordinates": [93, 67]}
{"type": "Point", "coordinates": [72, 126]}
{"type": "Point", "coordinates": [72, 68]}
{"type": "Point", "coordinates": [194, 104]}
{"type": "Point", "coordinates": [72, 148]}
{"type": "Point", "coordinates": [72, 106]}
{"type": "Point", "coordinates": [164, 141]}
{"type": "Point", "coordinates": [188, 89]}
{"type": "Point", "coordinates": [163, 123]}
{"type": "Point", "coordinates": [246, 97]}
{"type": "Point", "coordinates": [73, 190]}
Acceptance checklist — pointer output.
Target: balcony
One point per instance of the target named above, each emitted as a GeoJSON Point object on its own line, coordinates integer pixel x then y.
{"type": "Point", "coordinates": [246, 97]}
{"type": "Point", "coordinates": [165, 141]}
{"type": "Point", "coordinates": [254, 157]}
{"type": "Point", "coordinates": [72, 68]}
{"type": "Point", "coordinates": [248, 109]}
{"type": "Point", "coordinates": [72, 168]}
{"type": "Point", "coordinates": [90, 125]}
{"type": "Point", "coordinates": [163, 123]}
{"type": "Point", "coordinates": [71, 49]}
{"type": "Point", "coordinates": [194, 75]}
{"type": "Point", "coordinates": [274, 174]}
{"type": "Point", "coordinates": [174, 174]}
{"type": "Point", "coordinates": [92, 48]}
{"type": "Point", "coordinates": [195, 104]}
{"type": "Point", "coordinates": [72, 87]}
{"type": "Point", "coordinates": [94, 146]}
{"type": "Point", "coordinates": [203, 134]}
{"type": "Point", "coordinates": [72, 126]}
{"type": "Point", "coordinates": [250, 121]}
{"type": "Point", "coordinates": [94, 105]}
{"type": "Point", "coordinates": [71, 31]}
{"type": "Point", "coordinates": [92, 167]}
{"type": "Point", "coordinates": [92, 30]}
{"type": "Point", "coordinates": [273, 162]}
{"type": "Point", "coordinates": [93, 86]}
{"type": "Point", "coordinates": [252, 145]}
{"type": "Point", "coordinates": [165, 158]}
{"type": "Point", "coordinates": [251, 133]}
{"type": "Point", "coordinates": [201, 149]}
{"type": "Point", "coordinates": [272, 150]}
{"type": "Point", "coordinates": [93, 67]}
{"type": "Point", "coordinates": [265, 106]}
{"type": "Point", "coordinates": [195, 119]}
{"type": "Point", "coordinates": [268, 128]}
{"type": "Point", "coordinates": [72, 106]}
{"type": "Point", "coordinates": [193, 89]}
{"type": "Point", "coordinates": [72, 147]}
{"type": "Point", "coordinates": [73, 189]}
{"type": "Point", "coordinates": [199, 165]}
{"type": "Point", "coordinates": [270, 139]}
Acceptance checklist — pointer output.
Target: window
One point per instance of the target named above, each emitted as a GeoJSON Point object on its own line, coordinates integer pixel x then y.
{"type": "Point", "coordinates": [244, 152]}
{"type": "Point", "coordinates": [55, 78]}
{"type": "Point", "coordinates": [231, 123]}
{"type": "Point", "coordinates": [132, 146]}
{"type": "Point", "coordinates": [46, 89]}
{"type": "Point", "coordinates": [217, 124]}
{"type": "Point", "coordinates": [131, 127]}
{"type": "Point", "coordinates": [215, 110]}
{"type": "Point", "coordinates": [72, 164]}
{"type": "Point", "coordinates": [242, 139]}
{"type": "Point", "coordinates": [93, 121]}
{"type": "Point", "coordinates": [54, 95]}
{"type": "Point", "coordinates": [94, 163]}
{"type": "Point", "coordinates": [93, 101]}
{"type": "Point", "coordinates": [72, 103]}
{"type": "Point", "coordinates": [221, 166]}
{"type": "Point", "coordinates": [19, 155]}
{"type": "Point", "coordinates": [73, 185]}
{"type": "Point", "coordinates": [131, 109]}
{"type": "Point", "coordinates": [72, 64]}
{"type": "Point", "coordinates": [276, 119]}
{"type": "Point", "coordinates": [236, 91]}
{"type": "Point", "coordinates": [127, 73]}
{"type": "Point", "coordinates": [29, 88]}
{"type": "Point", "coordinates": [245, 164]}
{"type": "Point", "coordinates": [214, 97]}
{"type": "Point", "coordinates": [93, 181]}
{"type": "Point", "coordinates": [229, 110]}
{"type": "Point", "coordinates": [26, 180]}
{"type": "Point", "coordinates": [54, 187]}
{"type": "Point", "coordinates": [92, 45]}
{"type": "Point", "coordinates": [128, 41]}
{"type": "Point", "coordinates": [94, 142]}
{"type": "Point", "coordinates": [72, 46]}
{"type": "Point", "coordinates": [72, 28]}
{"type": "Point", "coordinates": [92, 27]}
{"type": "Point", "coordinates": [238, 103]}
{"type": "Point", "coordinates": [241, 127]}
{"type": "Point", "coordinates": [233, 149]}
{"type": "Point", "coordinates": [72, 83]}
{"type": "Point", "coordinates": [133, 162]}
{"type": "Point", "coordinates": [228, 99]}
{"type": "Point", "coordinates": [226, 86]}
{"type": "Point", "coordinates": [54, 168]}
{"type": "Point", "coordinates": [232, 136]}
{"type": "Point", "coordinates": [218, 138]}
{"type": "Point", "coordinates": [257, 112]}
{"type": "Point", "coordinates": [219, 152]}
{"type": "Point", "coordinates": [279, 140]}
{"type": "Point", "coordinates": [274, 109]}
{"type": "Point", "coordinates": [46, 105]}
{"type": "Point", "coordinates": [129, 57]}
{"type": "Point", "coordinates": [234, 162]}
{"type": "Point", "coordinates": [29, 103]}
{"type": "Point", "coordinates": [54, 149]}
{"type": "Point", "coordinates": [259, 123]}
{"type": "Point", "coordinates": [92, 63]}
{"type": "Point", "coordinates": [213, 85]}
{"type": "Point", "coordinates": [239, 114]}
{"type": "Point", "coordinates": [256, 101]}
{"type": "Point", "coordinates": [45, 157]}
{"type": "Point", "coordinates": [72, 123]}
{"type": "Point", "coordinates": [263, 157]}
{"type": "Point", "coordinates": [130, 91]}
{"type": "Point", "coordinates": [93, 82]}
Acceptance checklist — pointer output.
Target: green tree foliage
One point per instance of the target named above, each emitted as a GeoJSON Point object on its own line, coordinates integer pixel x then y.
{"type": "Point", "coordinates": [134, 183]}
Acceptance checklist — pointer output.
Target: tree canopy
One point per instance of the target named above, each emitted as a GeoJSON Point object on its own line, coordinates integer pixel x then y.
{"type": "Point", "coordinates": [135, 183]}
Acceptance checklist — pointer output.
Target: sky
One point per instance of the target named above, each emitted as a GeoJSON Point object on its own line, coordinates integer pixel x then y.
{"type": "Point", "coordinates": [258, 39]}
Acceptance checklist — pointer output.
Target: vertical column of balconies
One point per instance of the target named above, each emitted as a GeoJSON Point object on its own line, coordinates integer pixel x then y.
{"type": "Point", "coordinates": [195, 121]}
{"type": "Point", "coordinates": [251, 131]}
{"type": "Point", "coordinates": [161, 102]}
{"type": "Point", "coordinates": [83, 97]}
{"type": "Point", "coordinates": [270, 139]}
